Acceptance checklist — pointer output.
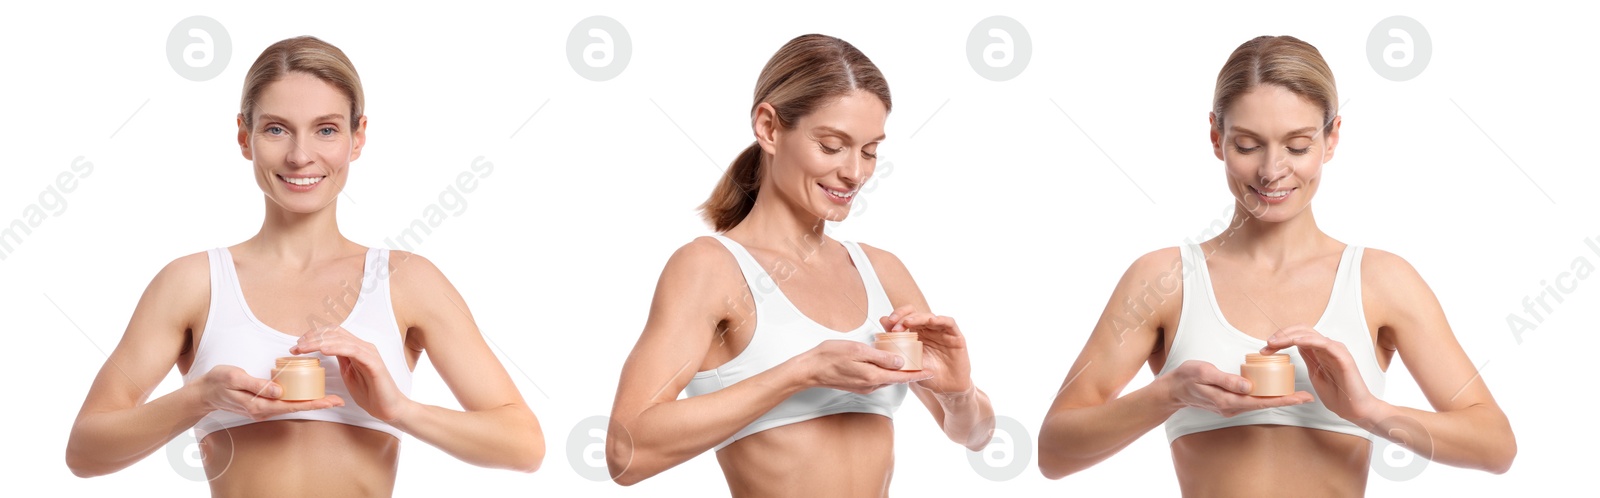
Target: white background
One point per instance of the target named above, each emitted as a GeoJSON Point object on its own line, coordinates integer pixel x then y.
{"type": "Point", "coordinates": [1012, 219]}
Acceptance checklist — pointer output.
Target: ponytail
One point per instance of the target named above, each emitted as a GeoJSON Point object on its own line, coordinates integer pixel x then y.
{"type": "Point", "coordinates": [736, 192]}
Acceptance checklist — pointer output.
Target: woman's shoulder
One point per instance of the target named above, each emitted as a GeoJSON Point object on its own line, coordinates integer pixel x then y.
{"type": "Point", "coordinates": [409, 270]}
{"type": "Point", "coordinates": [187, 271]}
{"type": "Point", "coordinates": [182, 288]}
{"type": "Point", "coordinates": [1387, 274]}
{"type": "Point", "coordinates": [703, 255]}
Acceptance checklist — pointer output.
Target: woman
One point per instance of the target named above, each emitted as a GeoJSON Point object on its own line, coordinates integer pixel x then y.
{"type": "Point", "coordinates": [768, 323]}
{"type": "Point", "coordinates": [1273, 282]}
{"type": "Point", "coordinates": [298, 287]}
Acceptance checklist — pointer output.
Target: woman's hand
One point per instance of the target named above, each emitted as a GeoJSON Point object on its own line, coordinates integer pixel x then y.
{"type": "Point", "coordinates": [854, 367]}
{"type": "Point", "coordinates": [362, 369]}
{"type": "Point", "coordinates": [1199, 384]}
{"type": "Point", "coordinates": [1332, 370]}
{"type": "Point", "coordinates": [229, 388]}
{"type": "Point", "coordinates": [944, 349]}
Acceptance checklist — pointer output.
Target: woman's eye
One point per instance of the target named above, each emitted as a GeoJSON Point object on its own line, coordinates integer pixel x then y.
{"type": "Point", "coordinates": [829, 150]}
{"type": "Point", "coordinates": [327, 132]}
{"type": "Point", "coordinates": [275, 130]}
{"type": "Point", "coordinates": [1299, 152]}
{"type": "Point", "coordinates": [868, 155]}
{"type": "Point", "coordinates": [1245, 150]}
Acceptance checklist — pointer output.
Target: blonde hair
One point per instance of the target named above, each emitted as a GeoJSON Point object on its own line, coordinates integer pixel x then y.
{"type": "Point", "coordinates": [309, 55]}
{"type": "Point", "coordinates": [804, 75]}
{"type": "Point", "coordinates": [1284, 61]}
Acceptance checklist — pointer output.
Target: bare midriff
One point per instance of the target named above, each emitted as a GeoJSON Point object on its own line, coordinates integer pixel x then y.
{"type": "Point", "coordinates": [847, 455]}
{"type": "Point", "coordinates": [300, 458]}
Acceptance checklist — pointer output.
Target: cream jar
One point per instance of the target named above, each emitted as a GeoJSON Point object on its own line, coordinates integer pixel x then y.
{"type": "Point", "coordinates": [1270, 374]}
{"type": "Point", "coordinates": [301, 377]}
{"type": "Point", "coordinates": [904, 344]}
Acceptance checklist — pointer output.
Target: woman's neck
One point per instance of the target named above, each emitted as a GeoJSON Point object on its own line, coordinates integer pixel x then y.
{"type": "Point", "coordinates": [1273, 243]}
{"type": "Point", "coordinates": [777, 225]}
{"type": "Point", "coordinates": [298, 239]}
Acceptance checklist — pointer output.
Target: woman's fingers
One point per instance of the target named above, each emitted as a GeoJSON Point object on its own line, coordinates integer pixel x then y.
{"type": "Point", "coordinates": [1291, 336]}
{"type": "Point", "coordinates": [337, 342]}
{"type": "Point", "coordinates": [883, 359]}
{"type": "Point", "coordinates": [238, 380]}
{"type": "Point", "coordinates": [893, 318]}
{"type": "Point", "coordinates": [1225, 381]}
{"type": "Point", "coordinates": [261, 408]}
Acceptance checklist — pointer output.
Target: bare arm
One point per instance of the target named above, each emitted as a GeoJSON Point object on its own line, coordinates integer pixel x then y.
{"type": "Point", "coordinates": [651, 429]}
{"type": "Point", "coordinates": [1467, 428]}
{"type": "Point", "coordinates": [962, 411]}
{"type": "Point", "coordinates": [495, 427]}
{"type": "Point", "coordinates": [1090, 420]}
{"type": "Point", "coordinates": [116, 427]}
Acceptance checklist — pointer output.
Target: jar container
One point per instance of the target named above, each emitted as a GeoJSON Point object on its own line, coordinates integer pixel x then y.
{"type": "Point", "coordinates": [1270, 375]}
{"type": "Point", "coordinates": [904, 344]}
{"type": "Point", "coordinates": [301, 377]}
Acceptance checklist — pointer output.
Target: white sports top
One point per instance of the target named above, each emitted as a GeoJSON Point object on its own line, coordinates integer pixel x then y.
{"type": "Point", "coordinates": [783, 332]}
{"type": "Point", "coordinates": [1203, 334]}
{"type": "Point", "coordinates": [234, 336]}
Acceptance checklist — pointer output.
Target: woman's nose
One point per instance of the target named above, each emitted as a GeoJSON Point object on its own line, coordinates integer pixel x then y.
{"type": "Point", "coordinates": [1276, 167]}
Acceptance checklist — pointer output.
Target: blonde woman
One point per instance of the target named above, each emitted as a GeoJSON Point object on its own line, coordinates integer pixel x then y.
{"type": "Point", "coordinates": [1273, 282]}
{"type": "Point", "coordinates": [300, 288]}
{"type": "Point", "coordinates": [767, 324]}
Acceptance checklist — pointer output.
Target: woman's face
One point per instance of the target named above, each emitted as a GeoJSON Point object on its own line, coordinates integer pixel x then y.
{"type": "Point", "coordinates": [1273, 145]}
{"type": "Point", "coordinates": [300, 142]}
{"type": "Point", "coordinates": [820, 163]}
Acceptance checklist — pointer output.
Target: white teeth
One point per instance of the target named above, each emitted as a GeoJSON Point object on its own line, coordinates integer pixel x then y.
{"type": "Point", "coordinates": [1276, 193]}
{"type": "Point", "coordinates": [842, 194]}
{"type": "Point", "coordinates": [304, 182]}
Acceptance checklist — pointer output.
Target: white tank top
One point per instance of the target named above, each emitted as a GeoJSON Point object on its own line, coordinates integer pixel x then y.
{"type": "Point", "coordinates": [234, 336]}
{"type": "Point", "coordinates": [782, 332]}
{"type": "Point", "coordinates": [1203, 334]}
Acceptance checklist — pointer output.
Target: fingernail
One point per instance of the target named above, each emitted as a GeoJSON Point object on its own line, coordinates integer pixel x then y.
{"type": "Point", "coordinates": [1244, 386]}
{"type": "Point", "coordinates": [899, 361]}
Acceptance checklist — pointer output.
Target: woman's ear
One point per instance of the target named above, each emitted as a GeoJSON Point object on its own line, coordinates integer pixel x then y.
{"type": "Point", "coordinates": [1216, 136]}
{"type": "Point", "coordinates": [1333, 137]}
{"type": "Point", "coordinates": [765, 123]}
{"type": "Point", "coordinates": [358, 138]}
{"type": "Point", "coordinates": [244, 138]}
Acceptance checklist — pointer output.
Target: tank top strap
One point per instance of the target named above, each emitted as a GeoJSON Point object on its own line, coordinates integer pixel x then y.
{"type": "Point", "coordinates": [762, 285]}
{"type": "Point", "coordinates": [1196, 281]}
{"type": "Point", "coordinates": [225, 289]}
{"type": "Point", "coordinates": [877, 298]}
{"type": "Point", "coordinates": [375, 275]}
{"type": "Point", "coordinates": [1346, 293]}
